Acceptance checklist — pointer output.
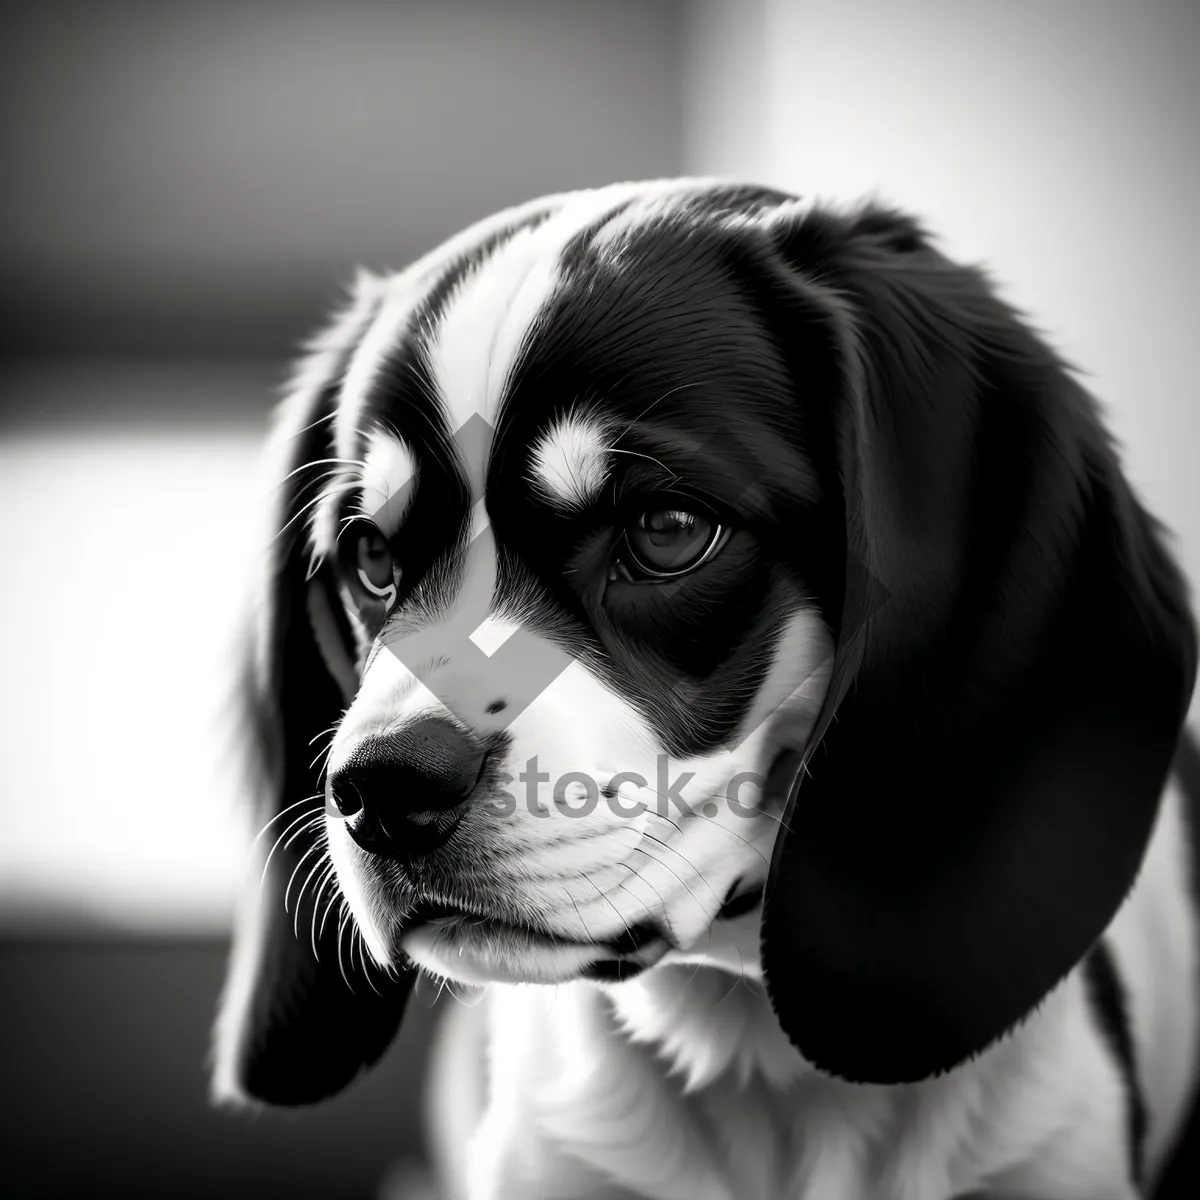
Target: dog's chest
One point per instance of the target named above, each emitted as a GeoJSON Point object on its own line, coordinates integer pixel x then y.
{"type": "Point", "coordinates": [744, 1098]}
{"type": "Point", "coordinates": [682, 1085]}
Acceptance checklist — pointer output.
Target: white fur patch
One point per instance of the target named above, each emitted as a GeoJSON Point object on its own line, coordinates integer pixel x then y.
{"type": "Point", "coordinates": [614, 237]}
{"type": "Point", "coordinates": [1154, 943]}
{"type": "Point", "coordinates": [388, 469]}
{"type": "Point", "coordinates": [571, 462]}
{"type": "Point", "coordinates": [689, 1089]}
{"type": "Point", "coordinates": [402, 294]}
{"type": "Point", "coordinates": [489, 318]}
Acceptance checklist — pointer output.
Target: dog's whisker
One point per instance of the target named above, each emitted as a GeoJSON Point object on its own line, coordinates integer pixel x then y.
{"type": "Point", "coordinates": [328, 755]}
{"type": "Point", "coordinates": [654, 403]}
{"type": "Point", "coordinates": [324, 752]}
{"type": "Point", "coordinates": [714, 824]}
{"type": "Point", "coordinates": [690, 864]}
{"type": "Point", "coordinates": [327, 878]}
{"type": "Point", "coordinates": [608, 900]}
{"type": "Point", "coordinates": [649, 911]}
{"type": "Point", "coordinates": [334, 896]}
{"type": "Point", "coordinates": [674, 478]}
{"type": "Point", "coordinates": [317, 866]}
{"type": "Point", "coordinates": [662, 904]}
{"type": "Point", "coordinates": [321, 462]}
{"type": "Point", "coordinates": [770, 816]}
{"type": "Point", "coordinates": [315, 822]}
{"type": "Point", "coordinates": [586, 931]}
{"type": "Point", "coordinates": [341, 930]}
{"type": "Point", "coordinates": [712, 797]}
{"type": "Point", "coordinates": [741, 968]}
{"type": "Point", "coordinates": [282, 813]}
{"type": "Point", "coordinates": [663, 816]}
{"type": "Point", "coordinates": [327, 418]}
{"type": "Point", "coordinates": [314, 848]}
{"type": "Point", "coordinates": [362, 958]}
{"type": "Point", "coordinates": [691, 979]}
{"type": "Point", "coordinates": [310, 820]}
{"type": "Point", "coordinates": [325, 494]}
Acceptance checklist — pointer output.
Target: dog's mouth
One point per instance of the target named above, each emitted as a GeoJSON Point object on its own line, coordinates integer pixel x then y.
{"type": "Point", "coordinates": [477, 947]}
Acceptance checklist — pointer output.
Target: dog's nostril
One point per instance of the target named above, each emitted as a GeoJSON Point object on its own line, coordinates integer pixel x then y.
{"type": "Point", "coordinates": [407, 787]}
{"type": "Point", "coordinates": [346, 798]}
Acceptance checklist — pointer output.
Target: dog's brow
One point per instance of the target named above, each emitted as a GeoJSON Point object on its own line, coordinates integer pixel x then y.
{"type": "Point", "coordinates": [388, 473]}
{"type": "Point", "coordinates": [570, 462]}
{"type": "Point", "coordinates": [488, 321]}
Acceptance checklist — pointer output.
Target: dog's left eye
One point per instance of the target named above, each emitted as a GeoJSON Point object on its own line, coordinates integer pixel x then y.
{"type": "Point", "coordinates": [368, 564]}
{"type": "Point", "coordinates": [669, 540]}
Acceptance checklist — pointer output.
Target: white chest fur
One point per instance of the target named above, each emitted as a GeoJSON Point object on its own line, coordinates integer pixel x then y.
{"type": "Point", "coordinates": [686, 1088]}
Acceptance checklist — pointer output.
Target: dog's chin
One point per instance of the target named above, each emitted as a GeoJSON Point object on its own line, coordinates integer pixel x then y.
{"type": "Point", "coordinates": [478, 950]}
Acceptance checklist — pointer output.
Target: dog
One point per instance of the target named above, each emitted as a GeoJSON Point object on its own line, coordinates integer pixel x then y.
{"type": "Point", "coordinates": [712, 634]}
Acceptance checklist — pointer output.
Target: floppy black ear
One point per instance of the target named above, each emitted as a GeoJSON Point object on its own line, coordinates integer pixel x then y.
{"type": "Point", "coordinates": [303, 1010]}
{"type": "Point", "coordinates": [1014, 661]}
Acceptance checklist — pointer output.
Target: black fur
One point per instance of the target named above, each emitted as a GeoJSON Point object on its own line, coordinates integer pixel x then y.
{"type": "Point", "coordinates": [1015, 657]}
{"type": "Point", "coordinates": [318, 1015]}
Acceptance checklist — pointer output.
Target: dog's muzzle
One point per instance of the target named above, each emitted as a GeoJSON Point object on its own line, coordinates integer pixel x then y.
{"type": "Point", "coordinates": [402, 794]}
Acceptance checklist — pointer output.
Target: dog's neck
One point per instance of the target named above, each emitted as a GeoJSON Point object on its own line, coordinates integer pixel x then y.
{"type": "Point", "coordinates": [707, 1014]}
{"type": "Point", "coordinates": [683, 1084]}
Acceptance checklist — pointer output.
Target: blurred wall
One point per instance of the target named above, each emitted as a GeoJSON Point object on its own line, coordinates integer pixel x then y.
{"type": "Point", "coordinates": [1057, 143]}
{"type": "Point", "coordinates": [191, 177]}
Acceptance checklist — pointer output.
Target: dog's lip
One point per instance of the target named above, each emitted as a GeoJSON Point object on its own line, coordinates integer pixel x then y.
{"type": "Point", "coordinates": [479, 948]}
{"type": "Point", "coordinates": [485, 936]}
{"type": "Point", "coordinates": [434, 912]}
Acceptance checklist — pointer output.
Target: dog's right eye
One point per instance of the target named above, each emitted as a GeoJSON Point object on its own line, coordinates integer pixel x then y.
{"type": "Point", "coordinates": [368, 565]}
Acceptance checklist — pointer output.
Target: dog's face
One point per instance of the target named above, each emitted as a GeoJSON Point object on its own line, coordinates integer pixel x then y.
{"type": "Point", "coordinates": [609, 523]}
{"type": "Point", "coordinates": [567, 518]}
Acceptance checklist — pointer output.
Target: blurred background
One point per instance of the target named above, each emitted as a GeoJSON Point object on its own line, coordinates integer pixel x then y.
{"type": "Point", "coordinates": [187, 188]}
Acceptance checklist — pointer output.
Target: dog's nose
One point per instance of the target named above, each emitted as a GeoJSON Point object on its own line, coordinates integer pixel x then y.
{"type": "Point", "coordinates": [400, 791]}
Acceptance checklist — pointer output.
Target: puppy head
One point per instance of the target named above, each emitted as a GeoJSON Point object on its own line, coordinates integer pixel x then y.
{"type": "Point", "coordinates": [608, 523]}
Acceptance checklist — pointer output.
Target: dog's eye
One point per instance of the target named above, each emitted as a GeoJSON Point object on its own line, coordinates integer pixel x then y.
{"type": "Point", "coordinates": [667, 541]}
{"type": "Point", "coordinates": [368, 563]}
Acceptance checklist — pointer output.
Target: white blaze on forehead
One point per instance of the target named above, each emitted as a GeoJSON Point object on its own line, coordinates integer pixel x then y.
{"type": "Point", "coordinates": [387, 471]}
{"type": "Point", "coordinates": [520, 276]}
{"type": "Point", "coordinates": [402, 294]}
{"type": "Point", "coordinates": [570, 462]}
{"type": "Point", "coordinates": [615, 234]}
{"type": "Point", "coordinates": [489, 318]}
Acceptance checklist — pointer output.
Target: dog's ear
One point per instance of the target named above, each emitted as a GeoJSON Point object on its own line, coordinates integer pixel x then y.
{"type": "Point", "coordinates": [303, 1010]}
{"type": "Point", "coordinates": [1014, 660]}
